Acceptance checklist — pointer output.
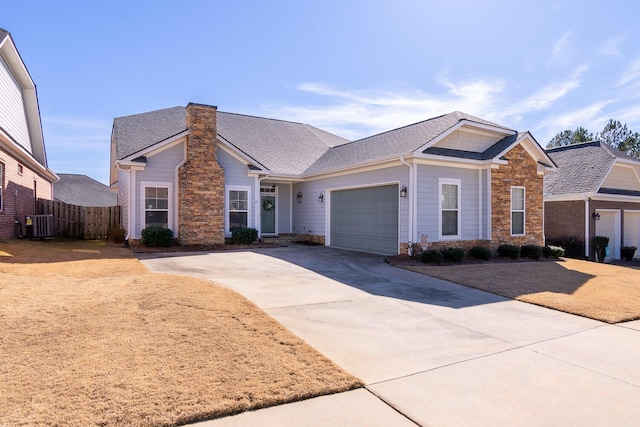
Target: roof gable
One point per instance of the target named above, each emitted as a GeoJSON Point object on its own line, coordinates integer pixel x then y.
{"type": "Point", "coordinates": [395, 143]}
{"type": "Point", "coordinates": [19, 112]}
{"type": "Point", "coordinates": [584, 168]}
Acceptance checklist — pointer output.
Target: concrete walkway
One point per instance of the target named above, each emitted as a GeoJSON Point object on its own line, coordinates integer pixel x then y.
{"type": "Point", "coordinates": [431, 353]}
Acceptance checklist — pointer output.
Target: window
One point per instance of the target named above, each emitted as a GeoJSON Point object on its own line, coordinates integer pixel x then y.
{"type": "Point", "coordinates": [20, 169]}
{"type": "Point", "coordinates": [156, 207]}
{"type": "Point", "coordinates": [1, 187]}
{"type": "Point", "coordinates": [449, 208]}
{"type": "Point", "coordinates": [517, 211]}
{"type": "Point", "coordinates": [238, 208]}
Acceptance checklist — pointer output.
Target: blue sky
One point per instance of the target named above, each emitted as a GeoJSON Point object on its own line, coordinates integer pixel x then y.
{"type": "Point", "coordinates": [354, 68]}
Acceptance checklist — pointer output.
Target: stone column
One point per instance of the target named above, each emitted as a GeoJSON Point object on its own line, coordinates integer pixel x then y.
{"type": "Point", "coordinates": [201, 181]}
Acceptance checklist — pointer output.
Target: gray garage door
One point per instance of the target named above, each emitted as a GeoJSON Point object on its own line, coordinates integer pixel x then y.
{"type": "Point", "coordinates": [365, 219]}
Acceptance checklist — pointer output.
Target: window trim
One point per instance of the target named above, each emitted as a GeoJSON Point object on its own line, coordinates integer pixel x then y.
{"type": "Point", "coordinates": [458, 183]}
{"type": "Point", "coordinates": [227, 211]}
{"type": "Point", "coordinates": [156, 184]}
{"type": "Point", "coordinates": [523, 210]}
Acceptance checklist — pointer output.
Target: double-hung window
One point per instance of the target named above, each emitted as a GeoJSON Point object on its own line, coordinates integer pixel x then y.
{"type": "Point", "coordinates": [517, 211]}
{"type": "Point", "coordinates": [449, 208]}
{"type": "Point", "coordinates": [237, 208]}
{"type": "Point", "coordinates": [156, 207]}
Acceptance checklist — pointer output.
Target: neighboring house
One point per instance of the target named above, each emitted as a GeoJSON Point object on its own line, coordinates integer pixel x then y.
{"type": "Point", "coordinates": [596, 192]}
{"type": "Point", "coordinates": [81, 190]}
{"type": "Point", "coordinates": [24, 175]}
{"type": "Point", "coordinates": [456, 179]}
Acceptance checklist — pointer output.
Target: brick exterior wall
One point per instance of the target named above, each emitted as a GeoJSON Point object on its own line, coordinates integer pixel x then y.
{"type": "Point", "coordinates": [201, 181]}
{"type": "Point", "coordinates": [521, 172]}
{"type": "Point", "coordinates": [16, 207]}
{"type": "Point", "coordinates": [313, 238]}
{"type": "Point", "coordinates": [564, 226]}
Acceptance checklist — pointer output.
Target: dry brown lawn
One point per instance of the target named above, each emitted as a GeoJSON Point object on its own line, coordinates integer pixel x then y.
{"type": "Point", "coordinates": [610, 293]}
{"type": "Point", "coordinates": [89, 337]}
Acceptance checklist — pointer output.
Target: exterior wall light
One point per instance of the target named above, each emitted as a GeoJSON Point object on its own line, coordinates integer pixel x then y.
{"type": "Point", "coordinates": [596, 216]}
{"type": "Point", "coordinates": [321, 198]}
{"type": "Point", "coordinates": [403, 191]}
{"type": "Point", "coordinates": [299, 197]}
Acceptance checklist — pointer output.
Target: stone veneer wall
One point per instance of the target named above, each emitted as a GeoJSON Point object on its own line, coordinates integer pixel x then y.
{"type": "Point", "coordinates": [201, 181]}
{"type": "Point", "coordinates": [521, 172]}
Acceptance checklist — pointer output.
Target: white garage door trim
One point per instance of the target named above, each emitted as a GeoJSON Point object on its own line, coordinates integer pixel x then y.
{"type": "Point", "coordinates": [632, 229]}
{"type": "Point", "coordinates": [607, 215]}
{"type": "Point", "coordinates": [328, 199]}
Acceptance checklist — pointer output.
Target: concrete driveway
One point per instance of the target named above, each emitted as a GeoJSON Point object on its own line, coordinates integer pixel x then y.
{"type": "Point", "coordinates": [431, 353]}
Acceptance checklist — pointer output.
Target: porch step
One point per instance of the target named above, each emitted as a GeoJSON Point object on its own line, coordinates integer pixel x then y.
{"type": "Point", "coordinates": [279, 239]}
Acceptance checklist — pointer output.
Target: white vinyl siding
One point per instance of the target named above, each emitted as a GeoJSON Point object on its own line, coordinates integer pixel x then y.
{"type": "Point", "coordinates": [449, 215]}
{"type": "Point", "coordinates": [161, 168]}
{"type": "Point", "coordinates": [12, 112]}
{"type": "Point", "coordinates": [470, 208]}
{"type": "Point", "coordinates": [622, 178]}
{"type": "Point", "coordinates": [518, 211]}
{"type": "Point", "coordinates": [123, 197]}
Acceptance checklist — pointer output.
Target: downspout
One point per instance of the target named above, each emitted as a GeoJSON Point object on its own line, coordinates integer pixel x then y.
{"type": "Point", "coordinates": [412, 192]}
{"type": "Point", "coordinates": [587, 249]}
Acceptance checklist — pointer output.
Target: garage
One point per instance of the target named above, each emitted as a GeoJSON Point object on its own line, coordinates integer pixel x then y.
{"type": "Point", "coordinates": [609, 225]}
{"type": "Point", "coordinates": [365, 219]}
{"type": "Point", "coordinates": [631, 230]}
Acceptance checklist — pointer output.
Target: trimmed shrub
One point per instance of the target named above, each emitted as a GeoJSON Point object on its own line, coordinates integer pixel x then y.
{"type": "Point", "coordinates": [551, 251]}
{"type": "Point", "coordinates": [573, 248]}
{"type": "Point", "coordinates": [531, 251]}
{"type": "Point", "coordinates": [600, 244]}
{"type": "Point", "coordinates": [453, 254]}
{"type": "Point", "coordinates": [244, 236]}
{"type": "Point", "coordinates": [627, 252]}
{"type": "Point", "coordinates": [509, 251]}
{"type": "Point", "coordinates": [431, 256]}
{"type": "Point", "coordinates": [478, 252]}
{"type": "Point", "coordinates": [156, 236]}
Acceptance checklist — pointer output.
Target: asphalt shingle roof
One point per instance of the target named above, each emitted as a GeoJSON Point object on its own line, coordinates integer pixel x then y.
{"type": "Point", "coordinates": [139, 131]}
{"type": "Point", "coordinates": [582, 168]}
{"type": "Point", "coordinates": [394, 143]}
{"type": "Point", "coordinates": [291, 148]}
{"type": "Point", "coordinates": [81, 190]}
{"type": "Point", "coordinates": [282, 147]}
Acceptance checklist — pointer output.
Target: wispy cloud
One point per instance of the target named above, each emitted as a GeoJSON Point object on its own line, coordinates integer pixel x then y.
{"type": "Point", "coordinates": [611, 47]}
{"type": "Point", "coordinates": [590, 116]}
{"type": "Point", "coordinates": [632, 72]}
{"type": "Point", "coordinates": [561, 53]}
{"type": "Point", "coordinates": [547, 95]}
{"type": "Point", "coordinates": [354, 114]}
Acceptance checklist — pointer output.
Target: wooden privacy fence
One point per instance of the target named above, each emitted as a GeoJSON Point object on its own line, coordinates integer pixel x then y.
{"type": "Point", "coordinates": [81, 222]}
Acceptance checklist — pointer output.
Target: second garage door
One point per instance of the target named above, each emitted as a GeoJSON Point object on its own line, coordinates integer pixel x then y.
{"type": "Point", "coordinates": [365, 219]}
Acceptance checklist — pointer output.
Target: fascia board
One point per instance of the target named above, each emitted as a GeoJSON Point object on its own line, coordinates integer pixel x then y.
{"type": "Point", "coordinates": [156, 148]}
{"type": "Point", "coordinates": [566, 197]}
{"type": "Point", "coordinates": [18, 152]}
{"type": "Point", "coordinates": [352, 168]}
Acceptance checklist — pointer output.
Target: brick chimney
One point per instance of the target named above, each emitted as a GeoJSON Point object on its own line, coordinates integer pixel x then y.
{"type": "Point", "coordinates": [201, 181]}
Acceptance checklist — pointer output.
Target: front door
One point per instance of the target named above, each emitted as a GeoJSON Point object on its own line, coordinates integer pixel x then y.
{"type": "Point", "coordinates": [268, 211]}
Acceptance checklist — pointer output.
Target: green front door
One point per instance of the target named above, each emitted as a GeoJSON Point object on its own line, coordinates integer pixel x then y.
{"type": "Point", "coordinates": [268, 214]}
